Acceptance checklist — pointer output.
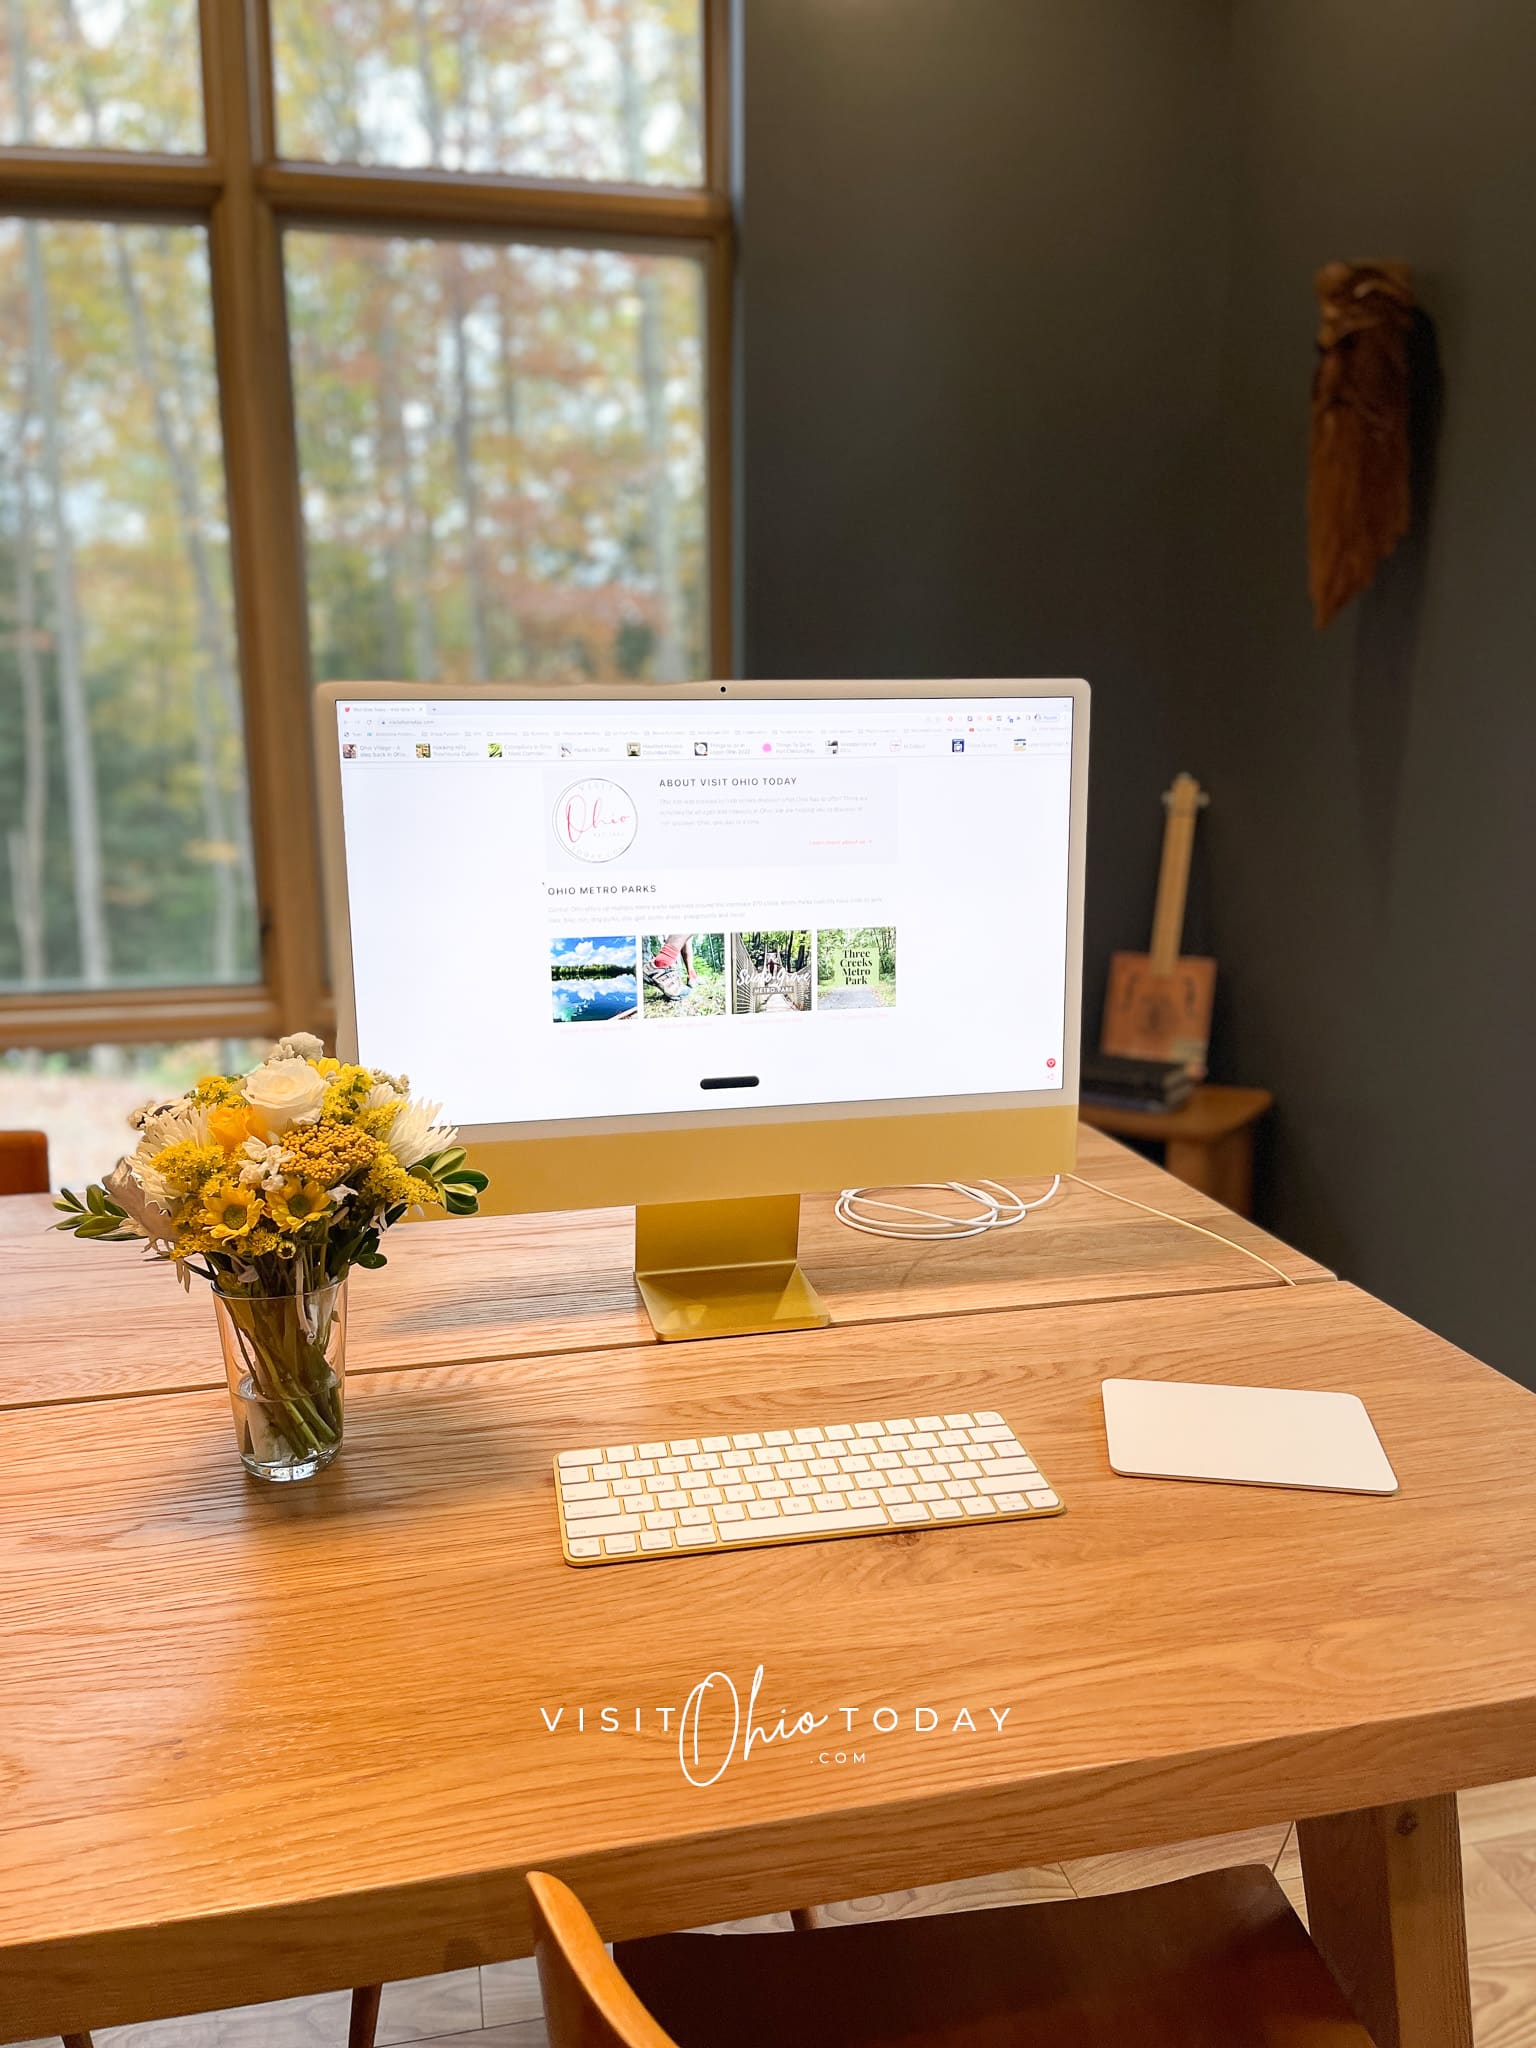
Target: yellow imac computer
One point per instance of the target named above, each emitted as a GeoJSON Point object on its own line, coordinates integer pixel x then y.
{"type": "Point", "coordinates": [701, 947]}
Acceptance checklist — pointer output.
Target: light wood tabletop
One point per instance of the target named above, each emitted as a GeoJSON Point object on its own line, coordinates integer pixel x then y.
{"type": "Point", "coordinates": [262, 1741]}
{"type": "Point", "coordinates": [87, 1321]}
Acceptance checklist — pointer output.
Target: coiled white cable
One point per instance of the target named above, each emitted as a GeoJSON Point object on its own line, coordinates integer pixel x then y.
{"type": "Point", "coordinates": [996, 1210]}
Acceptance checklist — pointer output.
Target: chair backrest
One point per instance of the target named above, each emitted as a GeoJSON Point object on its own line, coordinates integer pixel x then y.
{"type": "Point", "coordinates": [23, 1163]}
{"type": "Point", "coordinates": [587, 2003]}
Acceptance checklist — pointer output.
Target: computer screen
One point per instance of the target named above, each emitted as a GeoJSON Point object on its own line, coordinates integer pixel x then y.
{"type": "Point", "coordinates": [573, 910]}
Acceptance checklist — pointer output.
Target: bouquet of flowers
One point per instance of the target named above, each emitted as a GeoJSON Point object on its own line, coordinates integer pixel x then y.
{"type": "Point", "coordinates": [271, 1186]}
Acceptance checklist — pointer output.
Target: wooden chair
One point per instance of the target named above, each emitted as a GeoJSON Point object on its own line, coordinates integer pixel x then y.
{"type": "Point", "coordinates": [23, 1163]}
{"type": "Point", "coordinates": [1217, 1961]}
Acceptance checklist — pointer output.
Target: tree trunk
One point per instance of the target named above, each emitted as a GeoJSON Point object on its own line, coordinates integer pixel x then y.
{"type": "Point", "coordinates": [69, 674]}
{"type": "Point", "coordinates": [452, 272]}
{"type": "Point", "coordinates": [26, 842]}
{"type": "Point", "coordinates": [671, 661]}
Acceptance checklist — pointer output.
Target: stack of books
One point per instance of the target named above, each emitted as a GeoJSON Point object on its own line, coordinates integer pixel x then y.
{"type": "Point", "coordinates": [1134, 1084]}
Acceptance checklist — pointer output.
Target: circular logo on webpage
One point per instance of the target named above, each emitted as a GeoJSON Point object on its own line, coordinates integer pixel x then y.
{"type": "Point", "coordinates": [595, 819]}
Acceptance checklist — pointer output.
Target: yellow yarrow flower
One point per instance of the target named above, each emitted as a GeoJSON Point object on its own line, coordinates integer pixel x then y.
{"type": "Point", "coordinates": [187, 1167]}
{"type": "Point", "coordinates": [328, 1153]}
{"type": "Point", "coordinates": [230, 1210]}
{"type": "Point", "coordinates": [298, 1202]}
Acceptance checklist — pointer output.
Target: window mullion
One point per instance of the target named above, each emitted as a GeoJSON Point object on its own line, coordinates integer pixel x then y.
{"type": "Point", "coordinates": [250, 326]}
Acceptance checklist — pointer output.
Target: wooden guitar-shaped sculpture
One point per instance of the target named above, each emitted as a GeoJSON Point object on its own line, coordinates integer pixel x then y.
{"type": "Point", "coordinates": [1158, 1005]}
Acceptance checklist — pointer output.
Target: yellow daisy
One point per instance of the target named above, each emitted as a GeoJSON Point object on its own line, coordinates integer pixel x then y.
{"type": "Point", "coordinates": [230, 1210]}
{"type": "Point", "coordinates": [298, 1202]}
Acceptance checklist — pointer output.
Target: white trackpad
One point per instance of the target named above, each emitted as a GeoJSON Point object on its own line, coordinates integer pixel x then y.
{"type": "Point", "coordinates": [1249, 1436]}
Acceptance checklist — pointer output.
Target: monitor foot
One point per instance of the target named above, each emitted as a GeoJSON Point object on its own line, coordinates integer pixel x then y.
{"type": "Point", "coordinates": [724, 1269]}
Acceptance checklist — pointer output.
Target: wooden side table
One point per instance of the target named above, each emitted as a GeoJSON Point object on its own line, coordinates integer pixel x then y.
{"type": "Point", "coordinates": [1208, 1141]}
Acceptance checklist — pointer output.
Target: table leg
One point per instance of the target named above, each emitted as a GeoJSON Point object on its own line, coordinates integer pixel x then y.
{"type": "Point", "coordinates": [1385, 1905]}
{"type": "Point", "coordinates": [1222, 1169]}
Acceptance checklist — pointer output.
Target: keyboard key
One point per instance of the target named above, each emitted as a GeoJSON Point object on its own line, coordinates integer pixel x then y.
{"type": "Point", "coordinates": [966, 1471]}
{"type": "Point", "coordinates": [892, 1443]}
{"type": "Point", "coordinates": [1010, 1503]}
{"type": "Point", "coordinates": [822, 1465]}
{"type": "Point", "coordinates": [863, 1499]}
{"type": "Point", "coordinates": [736, 1460]}
{"type": "Point", "coordinates": [855, 1461]}
{"type": "Point", "coordinates": [923, 1440]}
{"type": "Point", "coordinates": [585, 1546]}
{"type": "Point", "coordinates": [930, 1421]}
{"type": "Point", "coordinates": [714, 1443]}
{"type": "Point", "coordinates": [953, 1436]}
{"type": "Point", "coordinates": [573, 1475]}
{"type": "Point", "coordinates": [889, 1494]}
{"type": "Point", "coordinates": [731, 1512]}
{"type": "Point", "coordinates": [989, 1415]}
{"type": "Point", "coordinates": [748, 1532]}
{"type": "Point", "coordinates": [704, 1461]}
{"type": "Point", "coordinates": [978, 1507]}
{"type": "Point", "coordinates": [927, 1493]}
{"type": "Point", "coordinates": [652, 1450]}
{"type": "Point", "coordinates": [792, 1469]}
{"type": "Point", "coordinates": [805, 1486]}
{"type": "Point", "coordinates": [672, 1500]}
{"type": "Point", "coordinates": [693, 1537]}
{"type": "Point", "coordinates": [617, 1453]}
{"type": "Point", "coordinates": [795, 1506]}
{"type": "Point", "coordinates": [910, 1511]}
{"type": "Point", "coordinates": [1042, 1497]}
{"type": "Point", "coordinates": [609, 1525]}
{"type": "Point", "coordinates": [1006, 1468]}
{"type": "Point", "coordinates": [592, 1457]}
{"type": "Point", "coordinates": [588, 1490]}
{"type": "Point", "coordinates": [661, 1518]}
{"type": "Point", "coordinates": [958, 1421]}
{"type": "Point", "coordinates": [671, 1464]}
{"type": "Point", "coordinates": [770, 1454]}
{"type": "Point", "coordinates": [837, 1483]}
{"type": "Point", "coordinates": [763, 1511]}
{"type": "Point", "coordinates": [902, 1426]}
{"type": "Point", "coordinates": [694, 1518]}
{"type": "Point", "coordinates": [740, 1492]}
{"type": "Point", "coordinates": [869, 1429]}
{"type": "Point", "coordinates": [851, 1518]}
{"type": "Point", "coordinates": [683, 1446]}
{"type": "Point", "coordinates": [1000, 1489]}
{"type": "Point", "coordinates": [640, 1468]}
{"type": "Point", "coordinates": [807, 1436]}
{"type": "Point", "coordinates": [840, 1432]}
{"type": "Point", "coordinates": [777, 1436]}
{"type": "Point", "coordinates": [655, 1539]}
{"type": "Point", "coordinates": [959, 1489]}
{"type": "Point", "coordinates": [946, 1510]}
{"type": "Point", "coordinates": [774, 1489]}
{"type": "Point", "coordinates": [625, 1488]}
{"type": "Point", "coordinates": [607, 1471]}
{"type": "Point", "coordinates": [705, 1497]}
{"type": "Point", "coordinates": [946, 1454]}
{"type": "Point", "coordinates": [749, 1442]}
{"type": "Point", "coordinates": [641, 1505]}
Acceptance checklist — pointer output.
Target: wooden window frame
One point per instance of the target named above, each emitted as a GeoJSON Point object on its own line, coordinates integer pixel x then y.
{"type": "Point", "coordinates": [244, 195]}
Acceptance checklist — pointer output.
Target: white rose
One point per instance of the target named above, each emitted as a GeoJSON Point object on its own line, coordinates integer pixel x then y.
{"type": "Point", "coordinates": [285, 1092]}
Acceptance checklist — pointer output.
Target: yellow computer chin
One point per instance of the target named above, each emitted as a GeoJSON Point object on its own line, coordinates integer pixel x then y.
{"type": "Point", "coordinates": [702, 947]}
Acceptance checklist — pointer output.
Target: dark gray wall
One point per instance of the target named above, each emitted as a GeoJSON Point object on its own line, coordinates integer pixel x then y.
{"type": "Point", "coordinates": [981, 267]}
{"type": "Point", "coordinates": [1371, 851]}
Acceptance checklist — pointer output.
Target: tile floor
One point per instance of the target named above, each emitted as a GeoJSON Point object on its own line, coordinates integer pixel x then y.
{"type": "Point", "coordinates": [498, 2006]}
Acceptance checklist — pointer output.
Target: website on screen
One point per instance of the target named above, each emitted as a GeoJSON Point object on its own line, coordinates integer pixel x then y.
{"type": "Point", "coordinates": [641, 909]}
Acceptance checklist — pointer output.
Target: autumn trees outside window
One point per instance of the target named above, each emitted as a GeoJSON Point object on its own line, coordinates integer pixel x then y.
{"type": "Point", "coordinates": [352, 339]}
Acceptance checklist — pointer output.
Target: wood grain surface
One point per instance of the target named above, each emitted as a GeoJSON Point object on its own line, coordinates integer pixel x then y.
{"type": "Point", "coordinates": [86, 1321]}
{"type": "Point", "coordinates": [260, 1741]}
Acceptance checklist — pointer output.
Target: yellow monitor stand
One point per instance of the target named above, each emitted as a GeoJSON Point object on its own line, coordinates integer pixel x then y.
{"type": "Point", "coordinates": [724, 1269]}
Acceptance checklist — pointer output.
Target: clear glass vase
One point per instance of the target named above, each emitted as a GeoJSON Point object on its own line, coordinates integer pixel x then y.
{"type": "Point", "coordinates": [285, 1358]}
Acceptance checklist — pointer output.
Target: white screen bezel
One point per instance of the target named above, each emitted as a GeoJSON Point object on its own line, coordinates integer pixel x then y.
{"type": "Point", "coordinates": [338, 918]}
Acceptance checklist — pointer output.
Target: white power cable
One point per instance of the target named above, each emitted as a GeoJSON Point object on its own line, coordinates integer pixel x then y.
{"type": "Point", "coordinates": [995, 1210]}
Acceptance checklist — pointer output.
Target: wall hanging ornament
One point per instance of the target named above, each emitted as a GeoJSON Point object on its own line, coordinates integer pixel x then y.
{"type": "Point", "coordinates": [1359, 497]}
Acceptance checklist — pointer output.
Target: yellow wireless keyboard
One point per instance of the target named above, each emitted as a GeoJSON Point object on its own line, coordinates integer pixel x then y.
{"type": "Point", "coordinates": [622, 1502]}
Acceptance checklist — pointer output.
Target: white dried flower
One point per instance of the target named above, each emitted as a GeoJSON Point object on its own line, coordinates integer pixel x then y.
{"type": "Point", "coordinates": [296, 1045]}
{"type": "Point", "coordinates": [413, 1134]}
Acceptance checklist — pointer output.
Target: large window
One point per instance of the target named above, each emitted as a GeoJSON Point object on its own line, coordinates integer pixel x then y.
{"type": "Point", "coordinates": [384, 337]}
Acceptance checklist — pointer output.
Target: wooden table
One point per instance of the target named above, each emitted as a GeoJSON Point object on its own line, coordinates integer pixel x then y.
{"type": "Point", "coordinates": [84, 1321]}
{"type": "Point", "coordinates": [1207, 1141]}
{"type": "Point", "coordinates": [260, 1741]}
